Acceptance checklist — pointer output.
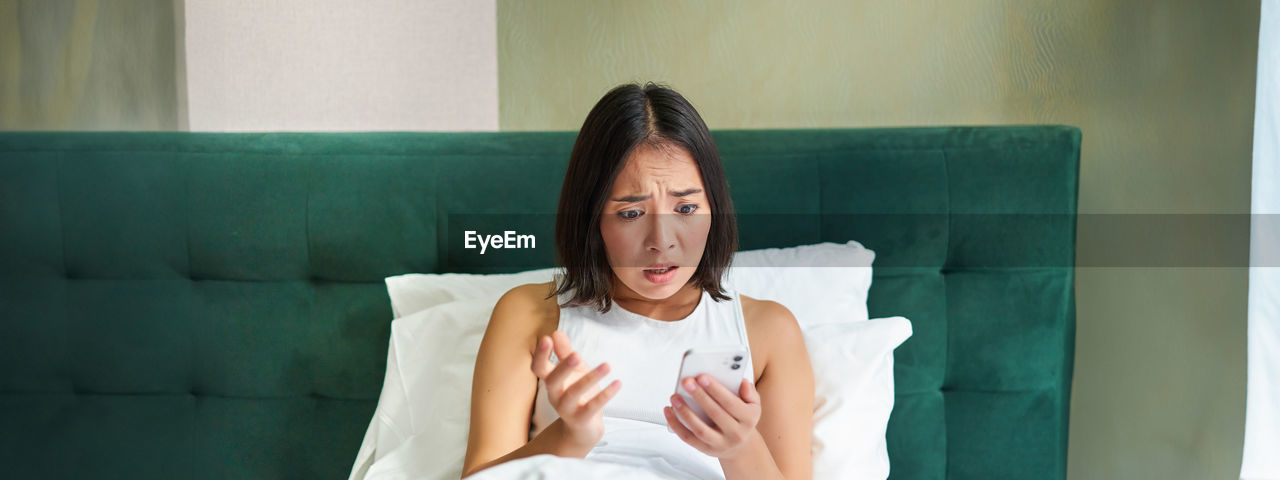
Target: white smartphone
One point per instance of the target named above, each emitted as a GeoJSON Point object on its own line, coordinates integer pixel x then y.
{"type": "Point", "coordinates": [724, 363]}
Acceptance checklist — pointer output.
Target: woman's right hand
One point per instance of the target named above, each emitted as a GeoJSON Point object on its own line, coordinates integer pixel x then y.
{"type": "Point", "coordinates": [572, 389]}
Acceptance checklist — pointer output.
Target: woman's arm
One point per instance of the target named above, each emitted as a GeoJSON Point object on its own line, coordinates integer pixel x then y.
{"type": "Point", "coordinates": [786, 399]}
{"type": "Point", "coordinates": [504, 386]}
{"type": "Point", "coordinates": [762, 431]}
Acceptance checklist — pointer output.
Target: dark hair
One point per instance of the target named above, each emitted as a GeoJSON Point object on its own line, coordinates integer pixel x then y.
{"type": "Point", "coordinates": [628, 116]}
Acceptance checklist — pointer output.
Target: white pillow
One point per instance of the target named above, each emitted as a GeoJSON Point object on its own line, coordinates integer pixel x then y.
{"type": "Point", "coordinates": [820, 283]}
{"type": "Point", "coordinates": [853, 395]}
{"type": "Point", "coordinates": [415, 292]}
{"type": "Point", "coordinates": [419, 428]}
{"type": "Point", "coordinates": [420, 425]}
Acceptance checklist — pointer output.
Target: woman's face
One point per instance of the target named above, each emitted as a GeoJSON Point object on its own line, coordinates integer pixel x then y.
{"type": "Point", "coordinates": [656, 214]}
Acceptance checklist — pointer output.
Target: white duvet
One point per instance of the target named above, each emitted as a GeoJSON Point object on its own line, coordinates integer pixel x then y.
{"type": "Point", "coordinates": [550, 467]}
{"type": "Point", "coordinates": [543, 466]}
{"type": "Point", "coordinates": [630, 449]}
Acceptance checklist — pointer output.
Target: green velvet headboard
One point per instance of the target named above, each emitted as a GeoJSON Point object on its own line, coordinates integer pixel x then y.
{"type": "Point", "coordinates": [199, 305]}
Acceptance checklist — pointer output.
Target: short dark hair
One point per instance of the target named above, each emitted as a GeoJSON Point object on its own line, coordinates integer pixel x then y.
{"type": "Point", "coordinates": [629, 116]}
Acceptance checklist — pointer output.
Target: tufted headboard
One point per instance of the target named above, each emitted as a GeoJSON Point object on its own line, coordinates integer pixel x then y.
{"type": "Point", "coordinates": [201, 305]}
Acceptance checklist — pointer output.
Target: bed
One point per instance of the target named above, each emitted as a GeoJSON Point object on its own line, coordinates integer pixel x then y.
{"type": "Point", "coordinates": [212, 305]}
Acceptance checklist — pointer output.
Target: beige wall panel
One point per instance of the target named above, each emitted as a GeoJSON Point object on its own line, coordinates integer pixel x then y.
{"type": "Point", "coordinates": [341, 65]}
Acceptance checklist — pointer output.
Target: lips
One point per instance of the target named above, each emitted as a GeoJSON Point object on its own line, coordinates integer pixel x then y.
{"type": "Point", "coordinates": [660, 268]}
{"type": "Point", "coordinates": [665, 273]}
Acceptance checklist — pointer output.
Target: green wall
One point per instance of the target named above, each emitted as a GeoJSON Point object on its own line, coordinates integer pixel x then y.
{"type": "Point", "coordinates": [88, 65]}
{"type": "Point", "coordinates": [1162, 90]}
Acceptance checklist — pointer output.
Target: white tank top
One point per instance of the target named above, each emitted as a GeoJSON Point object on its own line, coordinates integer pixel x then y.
{"type": "Point", "coordinates": [645, 354]}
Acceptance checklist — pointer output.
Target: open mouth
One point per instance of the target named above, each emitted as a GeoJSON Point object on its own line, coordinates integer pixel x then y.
{"type": "Point", "coordinates": [660, 275]}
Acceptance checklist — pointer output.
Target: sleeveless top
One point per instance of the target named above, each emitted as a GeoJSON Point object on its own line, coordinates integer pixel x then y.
{"type": "Point", "coordinates": [645, 353]}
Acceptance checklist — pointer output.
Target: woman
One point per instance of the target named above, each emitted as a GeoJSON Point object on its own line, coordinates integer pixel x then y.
{"type": "Point", "coordinates": [645, 224]}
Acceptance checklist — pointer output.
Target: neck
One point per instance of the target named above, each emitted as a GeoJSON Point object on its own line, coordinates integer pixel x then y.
{"type": "Point", "coordinates": [678, 306]}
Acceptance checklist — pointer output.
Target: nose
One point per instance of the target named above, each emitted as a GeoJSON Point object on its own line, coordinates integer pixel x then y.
{"type": "Point", "coordinates": [662, 235]}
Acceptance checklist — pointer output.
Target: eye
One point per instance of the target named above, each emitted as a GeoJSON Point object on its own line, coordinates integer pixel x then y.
{"type": "Point", "coordinates": [628, 214]}
{"type": "Point", "coordinates": [689, 211]}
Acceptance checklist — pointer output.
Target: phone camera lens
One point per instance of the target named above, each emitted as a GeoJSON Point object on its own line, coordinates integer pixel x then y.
{"type": "Point", "coordinates": [735, 366]}
{"type": "Point", "coordinates": [737, 358]}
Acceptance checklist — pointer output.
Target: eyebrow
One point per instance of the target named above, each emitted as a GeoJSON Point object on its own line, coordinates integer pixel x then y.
{"type": "Point", "coordinates": [640, 198]}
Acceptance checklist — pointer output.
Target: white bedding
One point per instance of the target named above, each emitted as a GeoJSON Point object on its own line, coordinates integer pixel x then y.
{"type": "Point", "coordinates": [420, 426]}
{"type": "Point", "coordinates": [551, 467]}
{"type": "Point", "coordinates": [630, 449]}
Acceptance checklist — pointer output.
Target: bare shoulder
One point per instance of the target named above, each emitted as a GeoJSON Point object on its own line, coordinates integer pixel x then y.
{"type": "Point", "coordinates": [527, 311]}
{"type": "Point", "coordinates": [772, 330]}
{"type": "Point", "coordinates": [768, 316]}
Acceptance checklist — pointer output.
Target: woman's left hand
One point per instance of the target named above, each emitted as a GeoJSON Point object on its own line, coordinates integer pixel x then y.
{"type": "Point", "coordinates": [735, 416]}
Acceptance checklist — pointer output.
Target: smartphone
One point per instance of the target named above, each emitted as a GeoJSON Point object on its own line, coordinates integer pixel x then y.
{"type": "Point", "coordinates": [725, 363]}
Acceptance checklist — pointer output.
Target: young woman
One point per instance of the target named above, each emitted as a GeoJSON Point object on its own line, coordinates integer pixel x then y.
{"type": "Point", "coordinates": [645, 231]}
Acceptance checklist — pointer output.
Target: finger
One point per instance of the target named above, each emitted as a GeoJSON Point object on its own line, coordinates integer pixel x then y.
{"type": "Point", "coordinates": [748, 392]}
{"type": "Point", "coordinates": [683, 432]}
{"type": "Point", "coordinates": [699, 428]}
{"type": "Point", "coordinates": [724, 422]}
{"type": "Point", "coordinates": [597, 402]}
{"type": "Point", "coordinates": [560, 341]}
{"type": "Point", "coordinates": [730, 402]}
{"type": "Point", "coordinates": [558, 377]}
{"type": "Point", "coordinates": [542, 365]}
{"type": "Point", "coordinates": [583, 385]}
